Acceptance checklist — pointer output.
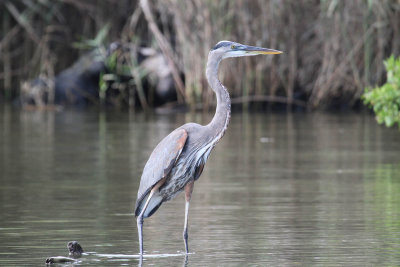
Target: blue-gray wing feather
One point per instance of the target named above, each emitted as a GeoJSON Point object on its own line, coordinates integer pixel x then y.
{"type": "Point", "coordinates": [161, 161]}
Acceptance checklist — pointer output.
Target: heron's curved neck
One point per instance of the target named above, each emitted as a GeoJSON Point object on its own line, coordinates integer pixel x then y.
{"type": "Point", "coordinates": [222, 115]}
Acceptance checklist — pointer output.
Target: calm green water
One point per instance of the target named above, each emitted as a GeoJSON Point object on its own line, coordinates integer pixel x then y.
{"type": "Point", "coordinates": [278, 190]}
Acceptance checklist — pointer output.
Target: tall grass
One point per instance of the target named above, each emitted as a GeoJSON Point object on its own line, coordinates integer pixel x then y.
{"type": "Point", "coordinates": [37, 37]}
{"type": "Point", "coordinates": [332, 48]}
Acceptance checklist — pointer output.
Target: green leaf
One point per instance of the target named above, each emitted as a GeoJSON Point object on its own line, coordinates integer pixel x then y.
{"type": "Point", "coordinates": [385, 100]}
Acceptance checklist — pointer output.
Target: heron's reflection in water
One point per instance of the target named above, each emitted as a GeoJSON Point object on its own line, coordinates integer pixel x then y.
{"type": "Point", "coordinates": [185, 260]}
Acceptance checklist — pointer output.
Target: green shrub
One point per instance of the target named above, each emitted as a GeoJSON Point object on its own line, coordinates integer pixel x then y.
{"type": "Point", "coordinates": [385, 100]}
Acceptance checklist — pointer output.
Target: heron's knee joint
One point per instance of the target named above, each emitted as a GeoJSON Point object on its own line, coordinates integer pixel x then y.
{"type": "Point", "coordinates": [139, 219]}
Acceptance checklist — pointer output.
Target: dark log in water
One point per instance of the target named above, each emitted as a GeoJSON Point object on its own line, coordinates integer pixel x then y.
{"type": "Point", "coordinates": [79, 84]}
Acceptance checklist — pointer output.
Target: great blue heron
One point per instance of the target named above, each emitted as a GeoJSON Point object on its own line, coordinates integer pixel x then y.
{"type": "Point", "coordinates": [178, 160]}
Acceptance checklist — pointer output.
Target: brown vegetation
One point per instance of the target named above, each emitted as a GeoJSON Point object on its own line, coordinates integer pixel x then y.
{"type": "Point", "coordinates": [332, 48]}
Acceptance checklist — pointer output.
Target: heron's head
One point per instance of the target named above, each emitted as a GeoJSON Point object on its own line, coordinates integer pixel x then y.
{"type": "Point", "coordinates": [231, 49]}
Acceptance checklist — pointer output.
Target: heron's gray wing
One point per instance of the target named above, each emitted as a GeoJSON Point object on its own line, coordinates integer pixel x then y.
{"type": "Point", "coordinates": [160, 163]}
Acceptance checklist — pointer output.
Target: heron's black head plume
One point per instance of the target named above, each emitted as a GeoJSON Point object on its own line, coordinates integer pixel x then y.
{"type": "Point", "coordinates": [221, 44]}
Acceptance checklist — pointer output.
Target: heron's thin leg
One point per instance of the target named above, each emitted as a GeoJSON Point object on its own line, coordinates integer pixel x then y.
{"type": "Point", "coordinates": [140, 222]}
{"type": "Point", "coordinates": [185, 229]}
{"type": "Point", "coordinates": [188, 195]}
{"type": "Point", "coordinates": [140, 217]}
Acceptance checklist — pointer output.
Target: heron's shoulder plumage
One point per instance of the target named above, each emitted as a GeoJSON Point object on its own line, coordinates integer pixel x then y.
{"type": "Point", "coordinates": [161, 161]}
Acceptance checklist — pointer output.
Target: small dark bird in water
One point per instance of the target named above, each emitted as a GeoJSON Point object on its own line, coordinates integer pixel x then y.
{"type": "Point", "coordinates": [75, 251]}
{"type": "Point", "coordinates": [178, 160]}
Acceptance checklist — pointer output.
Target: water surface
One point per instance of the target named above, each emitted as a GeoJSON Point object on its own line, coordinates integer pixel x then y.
{"type": "Point", "coordinates": [278, 190]}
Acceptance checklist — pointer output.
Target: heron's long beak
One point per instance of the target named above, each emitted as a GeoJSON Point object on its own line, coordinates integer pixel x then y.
{"type": "Point", "coordinates": [254, 50]}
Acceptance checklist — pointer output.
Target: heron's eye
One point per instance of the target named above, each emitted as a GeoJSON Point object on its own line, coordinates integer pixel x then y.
{"type": "Point", "coordinates": [233, 46]}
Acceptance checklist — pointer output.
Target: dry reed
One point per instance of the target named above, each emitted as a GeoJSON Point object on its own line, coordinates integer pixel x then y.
{"type": "Point", "coordinates": [333, 48]}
